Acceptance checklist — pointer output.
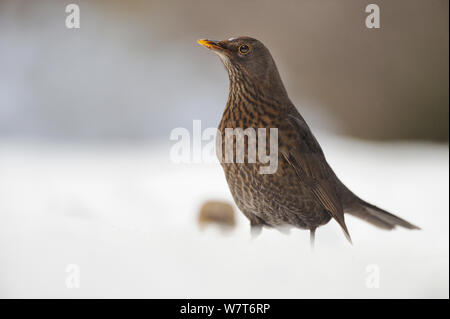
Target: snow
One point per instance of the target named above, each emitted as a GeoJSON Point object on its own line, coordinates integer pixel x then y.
{"type": "Point", "coordinates": [126, 216]}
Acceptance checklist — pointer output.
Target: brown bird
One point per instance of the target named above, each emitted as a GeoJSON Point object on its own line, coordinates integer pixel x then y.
{"type": "Point", "coordinates": [304, 192]}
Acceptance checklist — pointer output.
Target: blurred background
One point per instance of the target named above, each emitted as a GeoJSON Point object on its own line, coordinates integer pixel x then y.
{"type": "Point", "coordinates": [85, 173]}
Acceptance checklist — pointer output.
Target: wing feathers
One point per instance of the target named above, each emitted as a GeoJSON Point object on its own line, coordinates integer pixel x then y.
{"type": "Point", "coordinates": [319, 187]}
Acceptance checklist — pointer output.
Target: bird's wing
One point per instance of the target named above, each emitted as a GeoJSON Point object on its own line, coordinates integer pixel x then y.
{"type": "Point", "coordinates": [305, 155]}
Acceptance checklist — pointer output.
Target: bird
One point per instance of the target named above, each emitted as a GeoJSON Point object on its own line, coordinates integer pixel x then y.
{"type": "Point", "coordinates": [303, 192]}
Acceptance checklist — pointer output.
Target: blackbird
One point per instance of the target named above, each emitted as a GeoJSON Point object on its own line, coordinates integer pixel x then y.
{"type": "Point", "coordinates": [303, 192]}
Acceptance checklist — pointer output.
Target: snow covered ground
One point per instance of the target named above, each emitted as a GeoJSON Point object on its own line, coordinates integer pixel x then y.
{"type": "Point", "coordinates": [125, 217]}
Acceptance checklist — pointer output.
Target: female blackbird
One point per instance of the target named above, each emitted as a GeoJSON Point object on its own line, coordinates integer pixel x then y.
{"type": "Point", "coordinates": [304, 191]}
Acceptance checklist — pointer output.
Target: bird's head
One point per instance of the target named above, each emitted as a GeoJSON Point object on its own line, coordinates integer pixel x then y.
{"type": "Point", "coordinates": [249, 58]}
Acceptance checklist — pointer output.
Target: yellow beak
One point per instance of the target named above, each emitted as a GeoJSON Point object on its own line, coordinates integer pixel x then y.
{"type": "Point", "coordinates": [210, 44]}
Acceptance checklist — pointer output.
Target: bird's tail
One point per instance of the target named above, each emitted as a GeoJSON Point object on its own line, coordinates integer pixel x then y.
{"type": "Point", "coordinates": [376, 216]}
{"type": "Point", "coordinates": [355, 206]}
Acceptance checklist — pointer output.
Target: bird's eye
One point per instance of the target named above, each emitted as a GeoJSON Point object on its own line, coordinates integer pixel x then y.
{"type": "Point", "coordinates": [244, 49]}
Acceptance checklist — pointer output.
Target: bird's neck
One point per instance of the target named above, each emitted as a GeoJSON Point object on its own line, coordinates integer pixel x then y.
{"type": "Point", "coordinates": [243, 87]}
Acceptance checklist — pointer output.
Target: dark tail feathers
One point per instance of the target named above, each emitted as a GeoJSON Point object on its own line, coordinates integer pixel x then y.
{"type": "Point", "coordinates": [376, 216]}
